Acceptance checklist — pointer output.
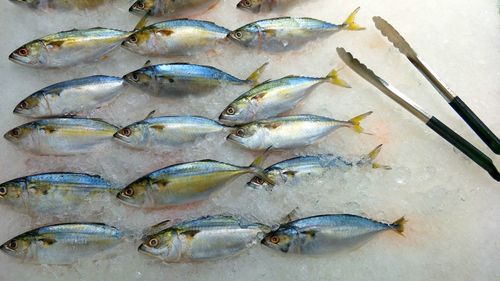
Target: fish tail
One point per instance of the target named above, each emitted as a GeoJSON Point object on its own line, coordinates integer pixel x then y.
{"type": "Point", "coordinates": [355, 122]}
{"type": "Point", "coordinates": [254, 76]}
{"type": "Point", "coordinates": [142, 22]}
{"type": "Point", "coordinates": [399, 225]}
{"type": "Point", "coordinates": [350, 24]}
{"type": "Point", "coordinates": [372, 155]}
{"type": "Point", "coordinates": [334, 79]}
{"type": "Point", "coordinates": [256, 167]}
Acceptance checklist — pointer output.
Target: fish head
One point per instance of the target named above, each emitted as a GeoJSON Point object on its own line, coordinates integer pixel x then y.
{"type": "Point", "coordinates": [259, 183]}
{"type": "Point", "coordinates": [34, 106]}
{"type": "Point", "coordinates": [238, 112]}
{"type": "Point", "coordinates": [11, 192]}
{"type": "Point", "coordinates": [21, 135]}
{"type": "Point", "coordinates": [141, 78]}
{"type": "Point", "coordinates": [134, 135]}
{"type": "Point", "coordinates": [250, 5]}
{"type": "Point", "coordinates": [136, 193]}
{"type": "Point", "coordinates": [31, 54]}
{"type": "Point", "coordinates": [246, 35]}
{"type": "Point", "coordinates": [141, 6]}
{"type": "Point", "coordinates": [21, 247]}
{"type": "Point", "coordinates": [248, 135]}
{"type": "Point", "coordinates": [281, 239]}
{"type": "Point", "coordinates": [163, 245]}
{"type": "Point", "coordinates": [136, 40]}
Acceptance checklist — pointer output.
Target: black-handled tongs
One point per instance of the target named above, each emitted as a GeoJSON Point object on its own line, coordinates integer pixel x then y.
{"type": "Point", "coordinates": [488, 137]}
{"type": "Point", "coordinates": [432, 122]}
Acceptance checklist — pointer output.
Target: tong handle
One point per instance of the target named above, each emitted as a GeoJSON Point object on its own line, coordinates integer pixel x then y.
{"type": "Point", "coordinates": [476, 124]}
{"type": "Point", "coordinates": [463, 145]}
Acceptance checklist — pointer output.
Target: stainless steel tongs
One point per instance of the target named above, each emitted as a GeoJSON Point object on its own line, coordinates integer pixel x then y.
{"type": "Point", "coordinates": [455, 102]}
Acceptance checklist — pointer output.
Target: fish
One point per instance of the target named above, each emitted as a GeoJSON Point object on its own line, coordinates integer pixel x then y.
{"type": "Point", "coordinates": [178, 37]}
{"type": "Point", "coordinates": [69, 48]}
{"type": "Point", "coordinates": [172, 8]}
{"type": "Point", "coordinates": [290, 131]}
{"type": "Point", "coordinates": [179, 79]}
{"type": "Point", "coordinates": [288, 33]}
{"type": "Point", "coordinates": [167, 131]}
{"type": "Point", "coordinates": [71, 97]}
{"type": "Point", "coordinates": [65, 243]}
{"type": "Point", "coordinates": [257, 6]}
{"type": "Point", "coordinates": [203, 239]}
{"type": "Point", "coordinates": [274, 97]}
{"type": "Point", "coordinates": [325, 234]}
{"type": "Point", "coordinates": [61, 136]}
{"type": "Point", "coordinates": [61, 4]}
{"type": "Point", "coordinates": [55, 193]}
{"type": "Point", "coordinates": [293, 169]}
{"type": "Point", "coordinates": [184, 183]}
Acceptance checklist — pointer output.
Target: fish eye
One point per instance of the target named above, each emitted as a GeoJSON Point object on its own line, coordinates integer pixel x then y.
{"type": "Point", "coordinates": [135, 77]}
{"type": "Point", "coordinates": [132, 38]}
{"type": "Point", "coordinates": [230, 111]}
{"type": "Point", "coordinates": [246, 3]}
{"type": "Point", "coordinates": [140, 5]}
{"type": "Point", "coordinates": [14, 132]}
{"type": "Point", "coordinates": [258, 181]}
{"type": "Point", "coordinates": [12, 245]}
{"type": "Point", "coordinates": [240, 132]}
{"type": "Point", "coordinates": [23, 51]}
{"type": "Point", "coordinates": [238, 34]}
{"type": "Point", "coordinates": [126, 132]}
{"type": "Point", "coordinates": [153, 242]}
{"type": "Point", "coordinates": [23, 105]}
{"type": "Point", "coordinates": [129, 191]}
{"type": "Point", "coordinates": [3, 191]}
{"type": "Point", "coordinates": [275, 239]}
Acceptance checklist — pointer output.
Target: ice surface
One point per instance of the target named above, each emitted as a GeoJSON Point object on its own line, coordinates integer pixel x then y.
{"type": "Point", "coordinates": [452, 205]}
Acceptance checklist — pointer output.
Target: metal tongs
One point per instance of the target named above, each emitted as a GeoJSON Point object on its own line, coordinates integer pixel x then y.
{"type": "Point", "coordinates": [455, 102]}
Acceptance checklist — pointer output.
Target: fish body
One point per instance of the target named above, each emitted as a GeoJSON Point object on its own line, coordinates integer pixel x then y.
{"type": "Point", "coordinates": [326, 234]}
{"type": "Point", "coordinates": [203, 239]}
{"type": "Point", "coordinates": [274, 97]}
{"type": "Point", "coordinates": [169, 131]}
{"type": "Point", "coordinates": [68, 48]}
{"type": "Point", "coordinates": [61, 4]}
{"type": "Point", "coordinates": [290, 131]}
{"type": "Point", "coordinates": [285, 33]}
{"type": "Point", "coordinates": [71, 97]}
{"type": "Point", "coordinates": [61, 136]}
{"type": "Point", "coordinates": [63, 243]}
{"type": "Point", "coordinates": [179, 79]}
{"type": "Point", "coordinates": [175, 37]}
{"type": "Point", "coordinates": [172, 8]}
{"type": "Point", "coordinates": [54, 193]}
{"type": "Point", "coordinates": [296, 168]}
{"type": "Point", "coordinates": [183, 183]}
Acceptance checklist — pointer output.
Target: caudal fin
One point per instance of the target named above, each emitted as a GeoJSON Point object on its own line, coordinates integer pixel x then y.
{"type": "Point", "coordinates": [356, 121]}
{"type": "Point", "coordinates": [334, 79]}
{"type": "Point", "coordinates": [254, 77]}
{"type": "Point", "coordinates": [399, 225]}
{"type": "Point", "coordinates": [142, 22]}
{"type": "Point", "coordinates": [256, 167]}
{"type": "Point", "coordinates": [350, 24]}
{"type": "Point", "coordinates": [372, 155]}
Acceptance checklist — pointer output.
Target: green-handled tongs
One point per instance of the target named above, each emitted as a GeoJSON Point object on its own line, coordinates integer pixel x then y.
{"type": "Point", "coordinates": [444, 131]}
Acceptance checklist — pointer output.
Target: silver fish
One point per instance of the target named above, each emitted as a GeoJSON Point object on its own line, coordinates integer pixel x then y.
{"type": "Point", "coordinates": [167, 131]}
{"type": "Point", "coordinates": [293, 169]}
{"type": "Point", "coordinates": [55, 193]}
{"type": "Point", "coordinates": [71, 97]}
{"type": "Point", "coordinates": [179, 79]}
{"type": "Point", "coordinates": [62, 4]}
{"type": "Point", "coordinates": [274, 97]}
{"type": "Point", "coordinates": [286, 33]}
{"type": "Point", "coordinates": [203, 239]}
{"type": "Point", "coordinates": [290, 131]}
{"type": "Point", "coordinates": [326, 234]}
{"type": "Point", "coordinates": [257, 6]}
{"type": "Point", "coordinates": [61, 136]}
{"type": "Point", "coordinates": [172, 8]}
{"type": "Point", "coordinates": [69, 48]}
{"type": "Point", "coordinates": [63, 243]}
